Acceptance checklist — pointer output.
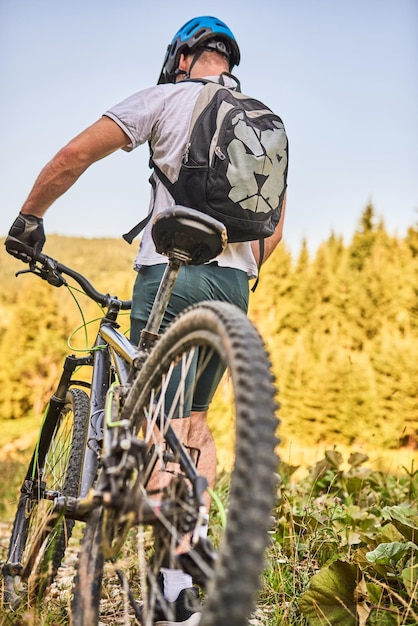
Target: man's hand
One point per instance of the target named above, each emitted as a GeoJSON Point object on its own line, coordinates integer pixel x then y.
{"type": "Point", "coordinates": [26, 237]}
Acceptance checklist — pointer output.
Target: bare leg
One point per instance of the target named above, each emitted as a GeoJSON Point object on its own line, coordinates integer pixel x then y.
{"type": "Point", "coordinates": [200, 437]}
{"type": "Point", "coordinates": [193, 431]}
{"type": "Point", "coordinates": [160, 479]}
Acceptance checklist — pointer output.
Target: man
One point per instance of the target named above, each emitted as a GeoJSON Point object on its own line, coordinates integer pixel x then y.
{"type": "Point", "coordinates": [203, 48]}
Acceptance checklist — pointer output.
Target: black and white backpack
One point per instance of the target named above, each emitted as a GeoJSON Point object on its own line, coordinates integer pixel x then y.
{"type": "Point", "coordinates": [234, 166]}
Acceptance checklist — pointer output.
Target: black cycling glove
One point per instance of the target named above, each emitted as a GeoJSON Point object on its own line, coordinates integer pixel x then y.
{"type": "Point", "coordinates": [26, 237]}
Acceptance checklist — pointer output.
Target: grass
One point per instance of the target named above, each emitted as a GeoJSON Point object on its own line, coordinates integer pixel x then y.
{"type": "Point", "coordinates": [17, 441]}
{"type": "Point", "coordinates": [343, 549]}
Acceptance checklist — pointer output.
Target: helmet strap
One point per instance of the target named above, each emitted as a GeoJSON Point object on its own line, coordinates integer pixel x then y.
{"type": "Point", "coordinates": [178, 71]}
{"type": "Point", "coordinates": [194, 61]}
{"type": "Point", "coordinates": [197, 56]}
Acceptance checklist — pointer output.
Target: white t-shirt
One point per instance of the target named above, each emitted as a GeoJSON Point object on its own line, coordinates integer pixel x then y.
{"type": "Point", "coordinates": [162, 115]}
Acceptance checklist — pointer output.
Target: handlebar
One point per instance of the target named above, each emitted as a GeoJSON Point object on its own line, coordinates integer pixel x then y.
{"type": "Point", "coordinates": [53, 271]}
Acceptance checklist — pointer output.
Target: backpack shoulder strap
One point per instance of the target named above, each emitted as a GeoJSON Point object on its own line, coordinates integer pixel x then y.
{"type": "Point", "coordinates": [163, 178]}
{"type": "Point", "coordinates": [260, 262]}
{"type": "Point", "coordinates": [134, 232]}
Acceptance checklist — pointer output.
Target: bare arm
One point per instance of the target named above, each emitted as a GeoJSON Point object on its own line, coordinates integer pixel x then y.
{"type": "Point", "coordinates": [271, 242]}
{"type": "Point", "coordinates": [97, 141]}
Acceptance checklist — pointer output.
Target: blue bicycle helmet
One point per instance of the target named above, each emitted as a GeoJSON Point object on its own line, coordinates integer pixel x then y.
{"type": "Point", "coordinates": [197, 33]}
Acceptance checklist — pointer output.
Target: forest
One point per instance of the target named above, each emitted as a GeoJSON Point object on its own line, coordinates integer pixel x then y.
{"type": "Point", "coordinates": [341, 326]}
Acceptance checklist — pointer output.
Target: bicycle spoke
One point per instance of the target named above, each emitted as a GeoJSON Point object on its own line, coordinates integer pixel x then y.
{"type": "Point", "coordinates": [39, 538]}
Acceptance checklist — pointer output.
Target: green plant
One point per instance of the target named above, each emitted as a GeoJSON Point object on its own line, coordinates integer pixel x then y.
{"type": "Point", "coordinates": [343, 547]}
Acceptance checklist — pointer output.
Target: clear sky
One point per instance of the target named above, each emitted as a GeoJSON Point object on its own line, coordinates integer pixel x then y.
{"type": "Point", "coordinates": [342, 74]}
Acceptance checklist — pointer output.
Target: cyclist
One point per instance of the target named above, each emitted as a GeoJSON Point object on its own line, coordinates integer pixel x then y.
{"type": "Point", "coordinates": [204, 47]}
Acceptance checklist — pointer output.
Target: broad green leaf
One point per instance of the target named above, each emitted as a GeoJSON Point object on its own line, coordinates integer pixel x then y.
{"type": "Point", "coordinates": [357, 458]}
{"type": "Point", "coordinates": [389, 553]}
{"type": "Point", "coordinates": [374, 591]}
{"type": "Point", "coordinates": [410, 579]}
{"type": "Point", "coordinates": [364, 564]}
{"type": "Point", "coordinates": [331, 596]}
{"type": "Point", "coordinates": [354, 484]}
{"type": "Point", "coordinates": [404, 518]}
{"type": "Point", "coordinates": [380, 617]}
{"type": "Point", "coordinates": [286, 470]}
{"type": "Point", "coordinates": [390, 533]}
{"type": "Point", "coordinates": [334, 458]}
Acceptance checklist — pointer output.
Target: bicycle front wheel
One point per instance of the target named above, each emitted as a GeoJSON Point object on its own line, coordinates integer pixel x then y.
{"type": "Point", "coordinates": [38, 541]}
{"type": "Point", "coordinates": [214, 337]}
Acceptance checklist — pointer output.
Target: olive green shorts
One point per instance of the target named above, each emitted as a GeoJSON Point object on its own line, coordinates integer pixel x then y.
{"type": "Point", "coordinates": [195, 283]}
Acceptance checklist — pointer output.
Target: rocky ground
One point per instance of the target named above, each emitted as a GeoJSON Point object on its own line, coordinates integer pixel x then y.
{"type": "Point", "coordinates": [114, 610]}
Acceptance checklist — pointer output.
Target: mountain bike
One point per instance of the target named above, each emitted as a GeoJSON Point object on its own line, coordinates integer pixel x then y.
{"type": "Point", "coordinates": [103, 442]}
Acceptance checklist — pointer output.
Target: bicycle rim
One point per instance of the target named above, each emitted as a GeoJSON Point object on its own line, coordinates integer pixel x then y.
{"type": "Point", "coordinates": [38, 540]}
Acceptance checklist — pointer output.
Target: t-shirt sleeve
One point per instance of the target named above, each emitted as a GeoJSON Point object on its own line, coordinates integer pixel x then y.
{"type": "Point", "coordinates": [138, 114]}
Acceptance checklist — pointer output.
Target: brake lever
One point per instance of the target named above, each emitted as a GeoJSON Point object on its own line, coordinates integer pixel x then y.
{"type": "Point", "coordinates": [33, 269]}
{"type": "Point", "coordinates": [47, 271]}
{"type": "Point", "coordinates": [25, 272]}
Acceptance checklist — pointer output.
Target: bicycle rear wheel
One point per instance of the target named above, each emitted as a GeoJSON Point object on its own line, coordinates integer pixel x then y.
{"type": "Point", "coordinates": [229, 578]}
{"type": "Point", "coordinates": [39, 540]}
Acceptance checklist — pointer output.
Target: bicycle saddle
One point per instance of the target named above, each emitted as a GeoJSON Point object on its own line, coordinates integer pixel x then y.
{"type": "Point", "coordinates": [190, 234]}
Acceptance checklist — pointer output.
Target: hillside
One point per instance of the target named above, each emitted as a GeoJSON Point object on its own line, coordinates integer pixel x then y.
{"type": "Point", "coordinates": [341, 326]}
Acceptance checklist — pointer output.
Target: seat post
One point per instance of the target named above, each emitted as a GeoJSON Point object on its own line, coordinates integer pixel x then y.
{"type": "Point", "coordinates": [186, 237]}
{"type": "Point", "coordinates": [162, 298]}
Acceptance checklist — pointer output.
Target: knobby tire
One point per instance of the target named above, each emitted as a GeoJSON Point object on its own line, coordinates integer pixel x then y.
{"type": "Point", "coordinates": [230, 592]}
{"type": "Point", "coordinates": [37, 543]}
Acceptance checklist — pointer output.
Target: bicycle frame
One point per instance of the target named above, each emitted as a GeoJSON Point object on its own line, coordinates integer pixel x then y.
{"type": "Point", "coordinates": [113, 358]}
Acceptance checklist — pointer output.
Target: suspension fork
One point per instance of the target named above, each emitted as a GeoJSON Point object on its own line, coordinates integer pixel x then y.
{"type": "Point", "coordinates": [99, 388]}
{"type": "Point", "coordinates": [53, 410]}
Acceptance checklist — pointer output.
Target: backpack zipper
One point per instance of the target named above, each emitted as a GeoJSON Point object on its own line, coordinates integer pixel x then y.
{"type": "Point", "coordinates": [221, 138]}
{"type": "Point", "coordinates": [186, 152]}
